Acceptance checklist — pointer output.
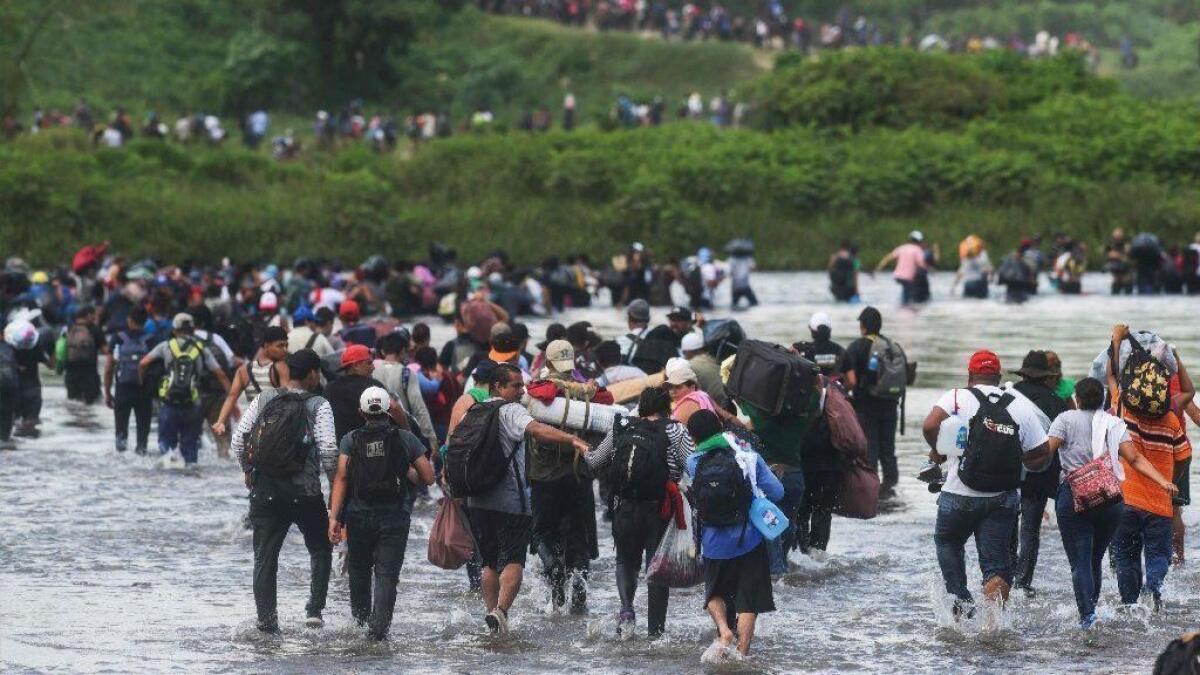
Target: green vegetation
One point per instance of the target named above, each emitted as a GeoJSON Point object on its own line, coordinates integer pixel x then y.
{"type": "Point", "coordinates": [1083, 162]}
{"type": "Point", "coordinates": [863, 144]}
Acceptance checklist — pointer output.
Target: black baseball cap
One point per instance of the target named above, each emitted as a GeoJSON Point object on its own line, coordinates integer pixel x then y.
{"type": "Point", "coordinates": [680, 314]}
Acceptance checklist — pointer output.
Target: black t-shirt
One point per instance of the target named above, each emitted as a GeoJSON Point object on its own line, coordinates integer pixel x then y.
{"type": "Point", "coordinates": [664, 333]}
{"type": "Point", "coordinates": [829, 356]}
{"type": "Point", "coordinates": [343, 394]}
{"type": "Point", "coordinates": [27, 364]}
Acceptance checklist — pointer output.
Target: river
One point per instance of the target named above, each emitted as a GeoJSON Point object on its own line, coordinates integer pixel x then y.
{"type": "Point", "coordinates": [108, 564]}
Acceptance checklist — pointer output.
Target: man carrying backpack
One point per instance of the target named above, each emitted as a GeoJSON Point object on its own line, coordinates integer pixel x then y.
{"type": "Point", "coordinates": [877, 372]}
{"type": "Point", "coordinates": [372, 483]}
{"type": "Point", "coordinates": [186, 361]}
{"type": "Point", "coordinates": [980, 496]}
{"type": "Point", "coordinates": [737, 574]}
{"type": "Point", "coordinates": [283, 441]}
{"type": "Point", "coordinates": [84, 343]}
{"type": "Point", "coordinates": [130, 394]}
{"type": "Point", "coordinates": [492, 435]}
{"type": "Point", "coordinates": [643, 454]}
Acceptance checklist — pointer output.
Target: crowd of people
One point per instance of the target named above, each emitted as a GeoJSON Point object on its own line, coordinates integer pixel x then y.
{"type": "Point", "coordinates": [771, 27]}
{"type": "Point", "coordinates": [308, 372]}
{"type": "Point", "coordinates": [1140, 264]}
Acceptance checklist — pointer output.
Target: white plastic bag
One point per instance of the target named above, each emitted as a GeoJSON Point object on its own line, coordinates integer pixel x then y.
{"type": "Point", "coordinates": [677, 562]}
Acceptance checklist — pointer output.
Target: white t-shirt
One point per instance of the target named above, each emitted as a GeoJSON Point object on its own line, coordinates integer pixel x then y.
{"type": "Point", "coordinates": [1024, 413]}
{"type": "Point", "coordinates": [619, 373]}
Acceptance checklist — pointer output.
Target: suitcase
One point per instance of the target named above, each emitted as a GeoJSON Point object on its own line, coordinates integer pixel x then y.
{"type": "Point", "coordinates": [772, 379]}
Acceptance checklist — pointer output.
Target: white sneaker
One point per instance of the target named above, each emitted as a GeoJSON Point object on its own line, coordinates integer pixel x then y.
{"type": "Point", "coordinates": [497, 622]}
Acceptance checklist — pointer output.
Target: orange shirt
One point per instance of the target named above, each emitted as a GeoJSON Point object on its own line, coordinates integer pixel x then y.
{"type": "Point", "coordinates": [1162, 442]}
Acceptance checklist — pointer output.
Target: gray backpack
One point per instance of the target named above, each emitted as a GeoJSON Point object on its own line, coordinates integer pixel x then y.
{"type": "Point", "coordinates": [890, 365]}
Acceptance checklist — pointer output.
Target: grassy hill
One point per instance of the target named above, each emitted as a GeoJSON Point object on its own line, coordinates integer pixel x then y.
{"type": "Point", "coordinates": [171, 55]}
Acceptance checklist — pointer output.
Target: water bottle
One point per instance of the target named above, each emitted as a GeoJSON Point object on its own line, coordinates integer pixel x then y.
{"type": "Point", "coordinates": [960, 441]}
{"type": "Point", "coordinates": [873, 364]}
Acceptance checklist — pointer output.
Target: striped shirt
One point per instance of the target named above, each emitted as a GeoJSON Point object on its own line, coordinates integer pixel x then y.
{"type": "Point", "coordinates": [681, 446]}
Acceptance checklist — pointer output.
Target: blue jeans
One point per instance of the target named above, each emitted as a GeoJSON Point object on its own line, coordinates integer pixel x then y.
{"type": "Point", "coordinates": [906, 291]}
{"type": "Point", "coordinates": [1085, 538]}
{"type": "Point", "coordinates": [793, 496]}
{"type": "Point", "coordinates": [1140, 532]}
{"type": "Point", "coordinates": [990, 520]}
{"type": "Point", "coordinates": [180, 426]}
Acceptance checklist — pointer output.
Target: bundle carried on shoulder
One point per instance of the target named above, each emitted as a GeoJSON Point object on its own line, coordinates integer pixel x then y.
{"type": "Point", "coordinates": [772, 379]}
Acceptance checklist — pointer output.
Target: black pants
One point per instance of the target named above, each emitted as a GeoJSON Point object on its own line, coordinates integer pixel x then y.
{"type": "Point", "coordinates": [878, 419]}
{"type": "Point", "coordinates": [82, 382]}
{"type": "Point", "coordinates": [138, 400]}
{"type": "Point", "coordinates": [8, 410]}
{"type": "Point", "coordinates": [376, 541]}
{"type": "Point", "coordinates": [815, 517]}
{"type": "Point", "coordinates": [1029, 534]}
{"type": "Point", "coordinates": [271, 519]}
{"type": "Point", "coordinates": [637, 531]}
{"type": "Point", "coordinates": [29, 400]}
{"type": "Point", "coordinates": [748, 293]}
{"type": "Point", "coordinates": [564, 527]}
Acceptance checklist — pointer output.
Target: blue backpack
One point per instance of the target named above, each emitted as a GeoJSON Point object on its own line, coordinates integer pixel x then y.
{"type": "Point", "coordinates": [130, 351]}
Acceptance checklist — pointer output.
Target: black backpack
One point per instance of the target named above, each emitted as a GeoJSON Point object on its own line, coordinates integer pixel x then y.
{"type": "Point", "coordinates": [378, 468]}
{"type": "Point", "coordinates": [475, 459]}
{"type": "Point", "coordinates": [239, 335]}
{"type": "Point", "coordinates": [1144, 382]}
{"type": "Point", "coordinates": [279, 442]}
{"type": "Point", "coordinates": [721, 490]}
{"type": "Point", "coordinates": [639, 466]}
{"type": "Point", "coordinates": [992, 459]}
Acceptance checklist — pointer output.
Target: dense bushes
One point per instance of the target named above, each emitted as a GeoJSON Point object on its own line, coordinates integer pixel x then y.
{"type": "Point", "coordinates": [902, 88]}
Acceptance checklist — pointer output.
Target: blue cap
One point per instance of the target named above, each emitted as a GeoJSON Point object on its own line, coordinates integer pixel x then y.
{"type": "Point", "coordinates": [303, 314]}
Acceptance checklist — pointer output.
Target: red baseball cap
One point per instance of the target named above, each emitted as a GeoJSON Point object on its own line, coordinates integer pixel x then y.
{"type": "Point", "coordinates": [349, 310]}
{"type": "Point", "coordinates": [355, 354]}
{"type": "Point", "coordinates": [984, 362]}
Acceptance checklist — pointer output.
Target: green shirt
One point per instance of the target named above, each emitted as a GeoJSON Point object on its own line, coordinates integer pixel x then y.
{"type": "Point", "coordinates": [1065, 388]}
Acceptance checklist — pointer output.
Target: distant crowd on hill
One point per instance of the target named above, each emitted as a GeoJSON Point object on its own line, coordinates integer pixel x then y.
{"type": "Point", "coordinates": [772, 28]}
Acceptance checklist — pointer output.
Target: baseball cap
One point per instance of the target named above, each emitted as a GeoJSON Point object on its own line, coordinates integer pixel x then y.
{"type": "Point", "coordinates": [561, 355]}
{"type": "Point", "coordinates": [268, 301]}
{"type": "Point", "coordinates": [182, 320]}
{"type": "Point", "coordinates": [355, 354]}
{"type": "Point", "coordinates": [301, 363]}
{"type": "Point", "coordinates": [273, 334]}
{"type": "Point", "coordinates": [691, 342]}
{"type": "Point", "coordinates": [504, 347]}
{"type": "Point", "coordinates": [984, 362]}
{"type": "Point", "coordinates": [638, 310]}
{"type": "Point", "coordinates": [679, 372]}
{"type": "Point", "coordinates": [819, 319]}
{"type": "Point", "coordinates": [374, 401]}
{"type": "Point", "coordinates": [349, 310]}
{"type": "Point", "coordinates": [302, 315]}
{"type": "Point", "coordinates": [680, 314]}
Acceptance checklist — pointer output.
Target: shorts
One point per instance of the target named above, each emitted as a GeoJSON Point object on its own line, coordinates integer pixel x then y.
{"type": "Point", "coordinates": [1184, 483]}
{"type": "Point", "coordinates": [744, 582]}
{"type": "Point", "coordinates": [501, 539]}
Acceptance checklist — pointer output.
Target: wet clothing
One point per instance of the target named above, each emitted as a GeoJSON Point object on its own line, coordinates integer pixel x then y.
{"type": "Point", "coordinates": [405, 386]}
{"type": "Point", "coordinates": [271, 519]}
{"type": "Point", "coordinates": [878, 417]}
{"type": "Point", "coordinates": [990, 520]}
{"type": "Point", "coordinates": [733, 541]}
{"type": "Point", "coordinates": [82, 378]}
{"type": "Point", "coordinates": [743, 582]}
{"type": "Point", "coordinates": [511, 494]}
{"type": "Point", "coordinates": [501, 539]}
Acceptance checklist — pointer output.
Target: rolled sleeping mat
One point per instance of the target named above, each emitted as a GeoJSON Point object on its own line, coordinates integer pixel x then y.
{"type": "Point", "coordinates": [576, 415]}
{"type": "Point", "coordinates": [628, 390]}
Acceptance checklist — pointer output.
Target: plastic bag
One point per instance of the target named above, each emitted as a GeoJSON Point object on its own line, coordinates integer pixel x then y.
{"type": "Point", "coordinates": [677, 562]}
{"type": "Point", "coordinates": [450, 542]}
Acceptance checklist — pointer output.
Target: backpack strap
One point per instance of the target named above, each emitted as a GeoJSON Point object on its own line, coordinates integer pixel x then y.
{"type": "Point", "coordinates": [1006, 400]}
{"type": "Point", "coordinates": [250, 376]}
{"type": "Point", "coordinates": [312, 340]}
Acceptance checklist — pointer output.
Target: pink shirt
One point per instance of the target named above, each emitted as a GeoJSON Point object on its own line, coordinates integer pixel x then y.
{"type": "Point", "coordinates": [701, 399]}
{"type": "Point", "coordinates": [909, 258]}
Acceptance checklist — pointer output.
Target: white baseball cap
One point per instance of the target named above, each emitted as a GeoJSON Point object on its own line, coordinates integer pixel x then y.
{"type": "Point", "coordinates": [679, 372]}
{"type": "Point", "coordinates": [820, 319]}
{"type": "Point", "coordinates": [691, 342]}
{"type": "Point", "coordinates": [374, 401]}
